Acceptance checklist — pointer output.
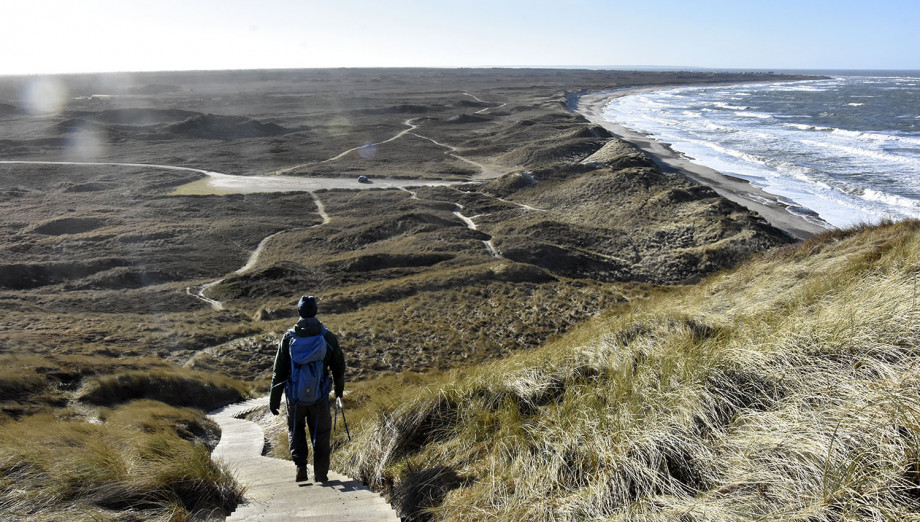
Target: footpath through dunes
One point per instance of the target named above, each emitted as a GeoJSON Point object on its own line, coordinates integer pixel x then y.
{"type": "Point", "coordinates": [253, 258]}
{"type": "Point", "coordinates": [272, 493]}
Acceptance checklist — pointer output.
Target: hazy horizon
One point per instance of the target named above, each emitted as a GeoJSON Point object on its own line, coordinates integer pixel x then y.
{"type": "Point", "coordinates": [625, 68]}
{"type": "Point", "coordinates": [97, 36]}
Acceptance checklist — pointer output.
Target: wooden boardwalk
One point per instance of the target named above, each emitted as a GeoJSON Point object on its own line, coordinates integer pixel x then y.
{"type": "Point", "coordinates": [271, 492]}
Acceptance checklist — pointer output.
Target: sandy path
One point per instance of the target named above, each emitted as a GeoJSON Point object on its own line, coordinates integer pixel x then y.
{"type": "Point", "coordinates": [452, 152]}
{"type": "Point", "coordinates": [271, 493]}
{"type": "Point", "coordinates": [411, 127]}
{"type": "Point", "coordinates": [522, 205]}
{"type": "Point", "coordinates": [320, 209]}
{"type": "Point", "coordinates": [482, 111]}
{"type": "Point", "coordinates": [400, 134]}
{"type": "Point", "coordinates": [490, 246]}
{"type": "Point", "coordinates": [473, 96]}
{"type": "Point", "coordinates": [110, 164]}
{"type": "Point", "coordinates": [412, 193]}
{"type": "Point", "coordinates": [199, 294]}
{"type": "Point", "coordinates": [486, 172]}
{"type": "Point", "coordinates": [780, 212]}
{"type": "Point", "coordinates": [254, 256]}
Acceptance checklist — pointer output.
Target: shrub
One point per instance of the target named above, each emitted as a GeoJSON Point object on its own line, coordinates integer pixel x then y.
{"type": "Point", "coordinates": [179, 387]}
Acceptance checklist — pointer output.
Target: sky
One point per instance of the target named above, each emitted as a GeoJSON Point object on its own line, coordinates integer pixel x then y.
{"type": "Point", "coordinates": [70, 36]}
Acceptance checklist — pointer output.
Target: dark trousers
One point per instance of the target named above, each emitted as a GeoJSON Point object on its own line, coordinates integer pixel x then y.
{"type": "Point", "coordinates": [317, 419]}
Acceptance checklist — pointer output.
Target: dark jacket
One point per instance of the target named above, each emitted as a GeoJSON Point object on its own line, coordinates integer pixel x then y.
{"type": "Point", "coordinates": [334, 362]}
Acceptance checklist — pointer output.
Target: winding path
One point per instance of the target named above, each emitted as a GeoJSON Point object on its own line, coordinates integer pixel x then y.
{"type": "Point", "coordinates": [398, 135]}
{"type": "Point", "coordinates": [412, 194]}
{"type": "Point", "coordinates": [271, 493]}
{"type": "Point", "coordinates": [490, 246]}
{"type": "Point", "coordinates": [254, 257]}
{"type": "Point", "coordinates": [199, 294]}
{"type": "Point", "coordinates": [483, 168]}
{"type": "Point", "coordinates": [477, 98]}
{"type": "Point", "coordinates": [411, 127]}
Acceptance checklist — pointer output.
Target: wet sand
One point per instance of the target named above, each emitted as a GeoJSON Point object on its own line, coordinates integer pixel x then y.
{"type": "Point", "coordinates": [780, 212]}
{"type": "Point", "coordinates": [216, 183]}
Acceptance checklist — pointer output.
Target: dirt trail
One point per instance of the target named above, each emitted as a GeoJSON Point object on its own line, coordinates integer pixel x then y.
{"type": "Point", "coordinates": [254, 257]}
{"type": "Point", "coordinates": [320, 209]}
{"type": "Point", "coordinates": [217, 305]}
{"type": "Point", "coordinates": [412, 193]}
{"type": "Point", "coordinates": [473, 96]}
{"type": "Point", "coordinates": [400, 134]}
{"type": "Point", "coordinates": [110, 164]}
{"type": "Point", "coordinates": [477, 98]}
{"type": "Point", "coordinates": [271, 493]}
{"type": "Point", "coordinates": [486, 172]}
{"type": "Point", "coordinates": [490, 246]}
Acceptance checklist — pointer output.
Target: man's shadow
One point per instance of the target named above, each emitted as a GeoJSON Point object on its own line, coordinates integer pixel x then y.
{"type": "Point", "coordinates": [344, 487]}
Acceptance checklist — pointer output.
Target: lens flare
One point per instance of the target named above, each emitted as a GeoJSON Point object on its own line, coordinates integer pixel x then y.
{"type": "Point", "coordinates": [339, 126]}
{"type": "Point", "coordinates": [367, 151]}
{"type": "Point", "coordinates": [44, 96]}
{"type": "Point", "coordinates": [85, 144]}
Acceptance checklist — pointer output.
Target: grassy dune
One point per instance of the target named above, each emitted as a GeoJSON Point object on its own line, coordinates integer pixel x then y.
{"type": "Point", "coordinates": [131, 463]}
{"type": "Point", "coordinates": [786, 389]}
{"type": "Point", "coordinates": [95, 438]}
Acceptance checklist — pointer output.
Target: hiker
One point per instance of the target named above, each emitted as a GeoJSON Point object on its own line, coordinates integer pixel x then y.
{"type": "Point", "coordinates": [306, 385]}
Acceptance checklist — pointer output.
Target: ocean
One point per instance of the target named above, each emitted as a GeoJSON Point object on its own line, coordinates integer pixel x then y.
{"type": "Point", "coordinates": [847, 147]}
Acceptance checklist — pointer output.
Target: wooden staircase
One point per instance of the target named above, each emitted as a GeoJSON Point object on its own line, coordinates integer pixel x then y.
{"type": "Point", "coordinates": [271, 493]}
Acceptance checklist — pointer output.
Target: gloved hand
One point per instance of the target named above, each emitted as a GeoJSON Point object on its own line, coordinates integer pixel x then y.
{"type": "Point", "coordinates": [338, 402]}
{"type": "Point", "coordinates": [273, 409]}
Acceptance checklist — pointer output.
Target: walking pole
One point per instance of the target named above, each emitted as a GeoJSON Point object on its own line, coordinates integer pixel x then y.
{"type": "Point", "coordinates": [338, 405]}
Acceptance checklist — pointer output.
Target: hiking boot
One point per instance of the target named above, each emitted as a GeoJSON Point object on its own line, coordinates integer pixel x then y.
{"type": "Point", "coordinates": [322, 479]}
{"type": "Point", "coordinates": [301, 474]}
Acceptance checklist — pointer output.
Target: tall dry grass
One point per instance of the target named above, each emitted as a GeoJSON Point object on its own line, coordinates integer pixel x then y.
{"type": "Point", "coordinates": [177, 386]}
{"type": "Point", "coordinates": [140, 460]}
{"type": "Point", "coordinates": [107, 439]}
{"type": "Point", "coordinates": [784, 390]}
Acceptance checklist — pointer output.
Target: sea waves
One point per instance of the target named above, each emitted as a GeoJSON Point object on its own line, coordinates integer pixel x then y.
{"type": "Point", "coordinates": [847, 148]}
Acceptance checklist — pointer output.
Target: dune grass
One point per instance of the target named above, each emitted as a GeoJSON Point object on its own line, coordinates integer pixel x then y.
{"type": "Point", "coordinates": [143, 458]}
{"type": "Point", "coordinates": [786, 389]}
{"type": "Point", "coordinates": [96, 438]}
{"type": "Point", "coordinates": [176, 386]}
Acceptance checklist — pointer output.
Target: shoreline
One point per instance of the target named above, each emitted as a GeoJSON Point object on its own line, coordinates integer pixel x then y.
{"type": "Point", "coordinates": [798, 222]}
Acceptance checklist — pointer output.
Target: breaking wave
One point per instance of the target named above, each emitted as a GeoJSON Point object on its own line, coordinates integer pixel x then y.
{"type": "Point", "coordinates": [847, 148]}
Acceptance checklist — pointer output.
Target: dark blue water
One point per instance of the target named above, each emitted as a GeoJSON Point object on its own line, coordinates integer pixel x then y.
{"type": "Point", "coordinates": [847, 147]}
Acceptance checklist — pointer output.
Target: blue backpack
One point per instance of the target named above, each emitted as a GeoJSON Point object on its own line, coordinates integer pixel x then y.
{"type": "Point", "coordinates": [308, 383]}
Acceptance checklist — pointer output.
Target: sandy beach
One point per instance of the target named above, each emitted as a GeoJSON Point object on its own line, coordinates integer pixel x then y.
{"type": "Point", "coordinates": [782, 213]}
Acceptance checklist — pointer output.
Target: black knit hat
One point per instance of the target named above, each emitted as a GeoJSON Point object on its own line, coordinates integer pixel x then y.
{"type": "Point", "coordinates": [306, 307]}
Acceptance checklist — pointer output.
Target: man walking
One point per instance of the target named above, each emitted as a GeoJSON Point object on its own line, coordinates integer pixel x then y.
{"type": "Point", "coordinates": [307, 356]}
